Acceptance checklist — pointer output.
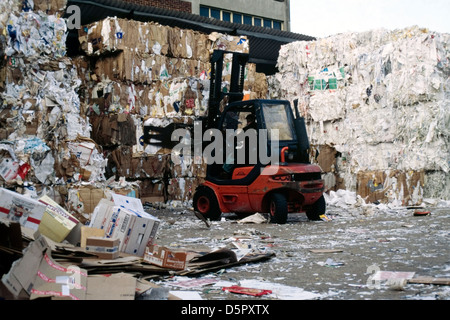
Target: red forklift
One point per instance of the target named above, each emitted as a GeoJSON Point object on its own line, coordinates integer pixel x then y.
{"type": "Point", "coordinates": [290, 185]}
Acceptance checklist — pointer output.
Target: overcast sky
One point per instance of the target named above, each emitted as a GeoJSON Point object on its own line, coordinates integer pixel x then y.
{"type": "Point", "coordinates": [322, 18]}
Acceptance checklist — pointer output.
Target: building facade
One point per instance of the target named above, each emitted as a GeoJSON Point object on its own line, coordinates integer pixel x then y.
{"type": "Point", "coordinates": [177, 5]}
{"type": "Point", "coordinates": [273, 14]}
{"type": "Point", "coordinates": [266, 23]}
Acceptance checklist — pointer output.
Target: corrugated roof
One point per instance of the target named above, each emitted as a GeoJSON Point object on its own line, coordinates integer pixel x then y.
{"type": "Point", "coordinates": [265, 43]}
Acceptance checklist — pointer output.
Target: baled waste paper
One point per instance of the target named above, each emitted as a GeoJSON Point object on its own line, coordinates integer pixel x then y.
{"type": "Point", "coordinates": [380, 100]}
{"type": "Point", "coordinates": [71, 139]}
{"type": "Point", "coordinates": [82, 118]}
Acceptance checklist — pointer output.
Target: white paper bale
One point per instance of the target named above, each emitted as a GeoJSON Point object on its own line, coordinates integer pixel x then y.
{"type": "Point", "coordinates": [380, 97]}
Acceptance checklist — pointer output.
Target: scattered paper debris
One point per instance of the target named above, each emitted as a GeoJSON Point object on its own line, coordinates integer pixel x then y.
{"type": "Point", "coordinates": [280, 291]}
{"type": "Point", "coordinates": [330, 263]}
{"type": "Point", "coordinates": [256, 218]}
{"type": "Point", "coordinates": [325, 250]}
{"type": "Point", "coordinates": [193, 283]}
{"type": "Point", "coordinates": [247, 291]}
{"type": "Point", "coordinates": [186, 295]}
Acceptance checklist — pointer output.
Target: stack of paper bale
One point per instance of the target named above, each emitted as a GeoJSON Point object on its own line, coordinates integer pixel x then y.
{"type": "Point", "coordinates": [377, 104]}
{"type": "Point", "coordinates": [72, 128]}
{"type": "Point", "coordinates": [45, 137]}
{"type": "Point", "coordinates": [144, 73]}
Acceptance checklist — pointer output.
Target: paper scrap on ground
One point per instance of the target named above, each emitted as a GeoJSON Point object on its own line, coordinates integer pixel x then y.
{"type": "Point", "coordinates": [280, 291]}
{"type": "Point", "coordinates": [254, 218]}
{"type": "Point", "coordinates": [193, 283]}
{"type": "Point", "coordinates": [187, 295]}
{"type": "Point", "coordinates": [386, 275]}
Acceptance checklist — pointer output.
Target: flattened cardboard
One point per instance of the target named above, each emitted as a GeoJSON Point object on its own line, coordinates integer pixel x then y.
{"type": "Point", "coordinates": [120, 286]}
{"type": "Point", "coordinates": [58, 282]}
{"type": "Point", "coordinates": [326, 158]}
{"type": "Point", "coordinates": [37, 275]}
{"type": "Point", "coordinates": [90, 197]}
{"type": "Point", "coordinates": [21, 277]}
{"type": "Point", "coordinates": [151, 191]}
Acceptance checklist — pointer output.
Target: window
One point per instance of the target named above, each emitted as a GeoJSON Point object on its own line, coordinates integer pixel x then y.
{"type": "Point", "coordinates": [215, 13]}
{"type": "Point", "coordinates": [267, 23]}
{"type": "Point", "coordinates": [237, 18]}
{"type": "Point", "coordinates": [239, 138]}
{"type": "Point", "coordinates": [204, 11]}
{"type": "Point", "coordinates": [240, 18]}
{"type": "Point", "coordinates": [226, 16]}
{"type": "Point", "coordinates": [248, 20]}
{"type": "Point", "coordinates": [277, 25]}
{"type": "Point", "coordinates": [276, 116]}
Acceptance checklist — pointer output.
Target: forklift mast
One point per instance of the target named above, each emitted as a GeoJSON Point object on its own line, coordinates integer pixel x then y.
{"type": "Point", "coordinates": [235, 93]}
{"type": "Point", "coordinates": [161, 136]}
{"type": "Point", "coordinates": [236, 90]}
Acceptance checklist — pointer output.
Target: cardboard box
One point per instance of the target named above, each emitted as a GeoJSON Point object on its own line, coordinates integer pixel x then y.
{"type": "Point", "coordinates": [16, 207]}
{"type": "Point", "coordinates": [37, 275]}
{"type": "Point", "coordinates": [124, 218]}
{"type": "Point", "coordinates": [165, 257]}
{"type": "Point", "coordinates": [104, 248]}
{"type": "Point", "coordinates": [134, 230]}
{"type": "Point", "coordinates": [101, 214]}
{"type": "Point", "coordinates": [86, 232]}
{"type": "Point", "coordinates": [56, 222]}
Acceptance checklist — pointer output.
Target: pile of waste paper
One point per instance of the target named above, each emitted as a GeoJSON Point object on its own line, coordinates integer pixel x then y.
{"type": "Point", "coordinates": [376, 105]}
{"type": "Point", "coordinates": [47, 253]}
{"type": "Point", "coordinates": [72, 127]}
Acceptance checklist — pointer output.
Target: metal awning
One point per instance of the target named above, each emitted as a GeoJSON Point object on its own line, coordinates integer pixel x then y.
{"type": "Point", "coordinates": [265, 43]}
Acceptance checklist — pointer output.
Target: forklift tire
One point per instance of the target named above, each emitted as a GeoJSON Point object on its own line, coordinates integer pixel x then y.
{"type": "Point", "coordinates": [317, 209]}
{"type": "Point", "coordinates": [205, 202]}
{"type": "Point", "coordinates": [278, 208]}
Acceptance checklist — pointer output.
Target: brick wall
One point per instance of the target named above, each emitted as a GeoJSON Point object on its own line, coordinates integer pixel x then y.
{"type": "Point", "coordinates": [176, 5]}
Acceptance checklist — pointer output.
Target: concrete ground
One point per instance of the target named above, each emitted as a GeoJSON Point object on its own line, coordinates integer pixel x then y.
{"type": "Point", "coordinates": [322, 260]}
